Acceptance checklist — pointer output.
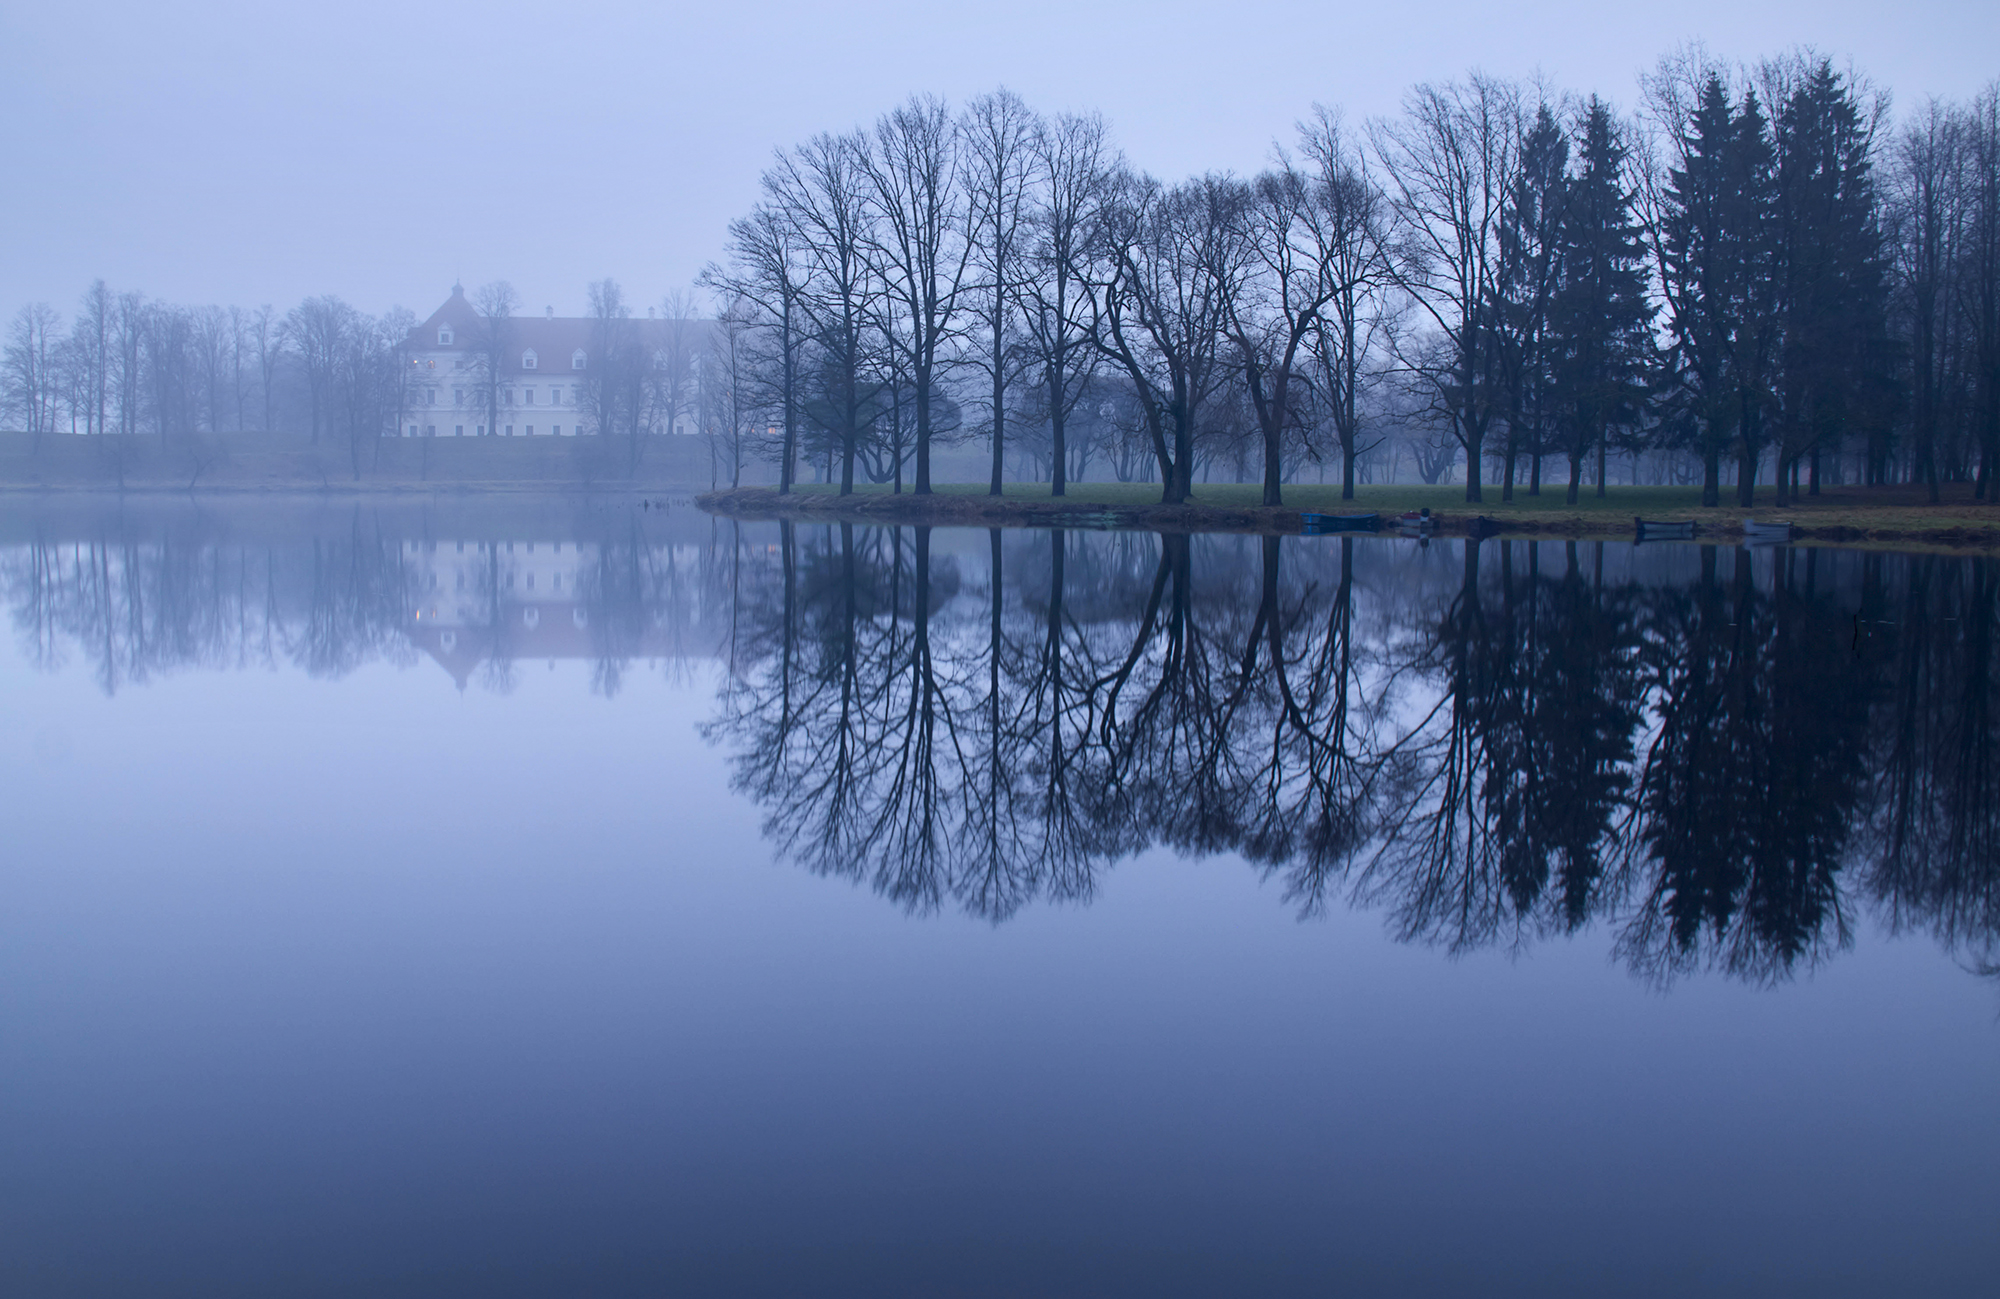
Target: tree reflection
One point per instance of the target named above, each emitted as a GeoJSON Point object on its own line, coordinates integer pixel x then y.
{"type": "Point", "coordinates": [1694, 759]}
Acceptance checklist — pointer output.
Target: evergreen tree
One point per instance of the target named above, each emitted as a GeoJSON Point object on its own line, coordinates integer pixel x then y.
{"type": "Point", "coordinates": [1599, 319]}
{"type": "Point", "coordinates": [1834, 359]}
{"type": "Point", "coordinates": [1712, 230]}
{"type": "Point", "coordinates": [1530, 262]}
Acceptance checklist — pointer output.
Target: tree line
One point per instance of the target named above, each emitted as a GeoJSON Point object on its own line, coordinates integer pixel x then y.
{"type": "Point", "coordinates": [1759, 274]}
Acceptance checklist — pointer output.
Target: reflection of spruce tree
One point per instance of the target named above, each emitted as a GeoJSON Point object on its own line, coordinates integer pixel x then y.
{"type": "Point", "coordinates": [1753, 781]}
{"type": "Point", "coordinates": [1937, 821]}
{"type": "Point", "coordinates": [1515, 779]}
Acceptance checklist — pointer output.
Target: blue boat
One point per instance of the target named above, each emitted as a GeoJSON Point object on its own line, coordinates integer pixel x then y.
{"type": "Point", "coordinates": [1313, 525]}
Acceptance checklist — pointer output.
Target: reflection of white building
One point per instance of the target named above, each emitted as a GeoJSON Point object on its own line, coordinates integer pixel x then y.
{"type": "Point", "coordinates": [541, 380]}
{"type": "Point", "coordinates": [476, 600]}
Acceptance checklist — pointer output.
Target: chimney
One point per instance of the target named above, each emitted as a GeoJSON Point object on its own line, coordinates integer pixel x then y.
{"type": "Point", "coordinates": [550, 312]}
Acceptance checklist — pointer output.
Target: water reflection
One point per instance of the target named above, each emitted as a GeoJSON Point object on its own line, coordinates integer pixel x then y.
{"type": "Point", "coordinates": [1719, 756]}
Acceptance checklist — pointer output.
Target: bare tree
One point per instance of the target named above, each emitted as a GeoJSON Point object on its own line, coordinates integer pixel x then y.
{"type": "Point", "coordinates": [267, 336]}
{"type": "Point", "coordinates": [315, 330]}
{"type": "Point", "coordinates": [1002, 171]}
{"type": "Point", "coordinates": [765, 251]}
{"type": "Point", "coordinates": [823, 191]}
{"type": "Point", "coordinates": [29, 374]}
{"type": "Point", "coordinates": [1164, 260]}
{"type": "Point", "coordinates": [492, 345]}
{"type": "Point", "coordinates": [1450, 161]}
{"type": "Point", "coordinates": [1074, 161]}
{"type": "Point", "coordinates": [912, 242]}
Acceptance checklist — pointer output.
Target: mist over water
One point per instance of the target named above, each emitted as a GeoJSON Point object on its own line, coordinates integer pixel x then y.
{"type": "Point", "coordinates": [503, 898]}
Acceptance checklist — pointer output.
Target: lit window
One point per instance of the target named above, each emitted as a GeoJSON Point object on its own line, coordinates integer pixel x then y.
{"type": "Point", "coordinates": [576, 359]}
{"type": "Point", "coordinates": [444, 335]}
{"type": "Point", "coordinates": [528, 359]}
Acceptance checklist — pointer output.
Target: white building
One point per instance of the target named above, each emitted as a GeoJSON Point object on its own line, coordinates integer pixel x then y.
{"type": "Point", "coordinates": [541, 380]}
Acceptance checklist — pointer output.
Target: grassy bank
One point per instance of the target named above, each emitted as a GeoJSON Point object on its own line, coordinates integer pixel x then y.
{"type": "Point", "coordinates": [1898, 516]}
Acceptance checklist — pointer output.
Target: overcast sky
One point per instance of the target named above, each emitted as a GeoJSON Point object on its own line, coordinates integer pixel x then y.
{"type": "Point", "coordinates": [258, 152]}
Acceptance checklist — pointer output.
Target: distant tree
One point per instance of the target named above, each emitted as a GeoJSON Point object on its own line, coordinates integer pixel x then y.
{"type": "Point", "coordinates": [266, 335]}
{"type": "Point", "coordinates": [316, 332]}
{"type": "Point", "coordinates": [490, 359]}
{"type": "Point", "coordinates": [29, 377]}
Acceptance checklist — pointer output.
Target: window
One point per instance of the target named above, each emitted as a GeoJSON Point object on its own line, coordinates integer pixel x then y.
{"type": "Point", "coordinates": [413, 430]}
{"type": "Point", "coordinates": [557, 581]}
{"type": "Point", "coordinates": [431, 429]}
{"type": "Point", "coordinates": [458, 396]}
{"type": "Point", "coordinates": [444, 335]}
{"type": "Point", "coordinates": [461, 581]}
{"type": "Point", "coordinates": [531, 581]}
{"type": "Point", "coordinates": [510, 430]}
{"type": "Point", "coordinates": [527, 396]}
{"type": "Point", "coordinates": [510, 396]}
{"type": "Point", "coordinates": [528, 359]}
{"type": "Point", "coordinates": [510, 581]}
{"type": "Point", "coordinates": [555, 430]}
{"type": "Point", "coordinates": [576, 359]}
{"type": "Point", "coordinates": [481, 428]}
{"type": "Point", "coordinates": [461, 548]}
{"type": "Point", "coordinates": [458, 430]}
{"type": "Point", "coordinates": [531, 433]}
{"type": "Point", "coordinates": [430, 396]}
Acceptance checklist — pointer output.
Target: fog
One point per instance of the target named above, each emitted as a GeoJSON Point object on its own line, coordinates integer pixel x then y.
{"type": "Point", "coordinates": [244, 153]}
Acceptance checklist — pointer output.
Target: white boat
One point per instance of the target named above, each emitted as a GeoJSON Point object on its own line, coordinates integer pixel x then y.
{"type": "Point", "coordinates": [1766, 533]}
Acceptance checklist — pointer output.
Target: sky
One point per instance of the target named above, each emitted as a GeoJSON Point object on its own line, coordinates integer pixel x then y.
{"type": "Point", "coordinates": [255, 153]}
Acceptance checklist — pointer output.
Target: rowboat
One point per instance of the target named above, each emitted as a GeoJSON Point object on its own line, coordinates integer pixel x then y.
{"type": "Point", "coordinates": [1415, 521]}
{"type": "Point", "coordinates": [1664, 529]}
{"type": "Point", "coordinates": [1313, 525]}
{"type": "Point", "coordinates": [1766, 533]}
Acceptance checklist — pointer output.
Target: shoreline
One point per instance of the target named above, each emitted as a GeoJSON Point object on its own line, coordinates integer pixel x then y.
{"type": "Point", "coordinates": [1825, 522]}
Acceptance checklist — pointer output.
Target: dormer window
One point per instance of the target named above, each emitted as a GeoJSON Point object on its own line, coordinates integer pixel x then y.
{"type": "Point", "coordinates": [576, 359]}
{"type": "Point", "coordinates": [528, 359]}
{"type": "Point", "coordinates": [444, 335]}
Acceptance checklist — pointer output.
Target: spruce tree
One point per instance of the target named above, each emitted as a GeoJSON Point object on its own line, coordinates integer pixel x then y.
{"type": "Point", "coordinates": [1599, 319]}
{"type": "Point", "coordinates": [1530, 263]}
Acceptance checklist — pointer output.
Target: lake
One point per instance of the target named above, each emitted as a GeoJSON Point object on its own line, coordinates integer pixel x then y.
{"type": "Point", "coordinates": [526, 897]}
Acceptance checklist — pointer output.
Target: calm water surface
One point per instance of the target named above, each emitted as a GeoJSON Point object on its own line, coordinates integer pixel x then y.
{"type": "Point", "coordinates": [578, 898]}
